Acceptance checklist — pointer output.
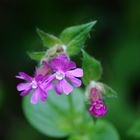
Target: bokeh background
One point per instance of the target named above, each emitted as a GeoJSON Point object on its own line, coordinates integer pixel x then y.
{"type": "Point", "coordinates": [115, 41]}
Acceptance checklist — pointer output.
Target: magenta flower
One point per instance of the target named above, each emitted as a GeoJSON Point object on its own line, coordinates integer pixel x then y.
{"type": "Point", "coordinates": [98, 109]}
{"type": "Point", "coordinates": [35, 84]}
{"type": "Point", "coordinates": [64, 71]}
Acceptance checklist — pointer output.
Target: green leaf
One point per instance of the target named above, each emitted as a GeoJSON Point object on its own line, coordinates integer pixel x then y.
{"type": "Point", "coordinates": [74, 37]}
{"type": "Point", "coordinates": [58, 117]}
{"type": "Point", "coordinates": [108, 91]}
{"type": "Point", "coordinates": [92, 68]}
{"type": "Point", "coordinates": [100, 131]}
{"type": "Point", "coordinates": [79, 137]}
{"type": "Point", "coordinates": [48, 40]}
{"type": "Point", "coordinates": [36, 55]}
{"type": "Point", "coordinates": [135, 129]}
{"type": "Point", "coordinates": [104, 131]}
{"type": "Point", "coordinates": [66, 115]}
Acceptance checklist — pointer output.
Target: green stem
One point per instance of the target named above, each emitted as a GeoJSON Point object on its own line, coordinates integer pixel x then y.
{"type": "Point", "coordinates": [70, 104]}
{"type": "Point", "coordinates": [95, 120]}
{"type": "Point", "coordinates": [72, 113]}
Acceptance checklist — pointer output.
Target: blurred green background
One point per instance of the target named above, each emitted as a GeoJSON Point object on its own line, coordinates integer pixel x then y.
{"type": "Point", "coordinates": [115, 41]}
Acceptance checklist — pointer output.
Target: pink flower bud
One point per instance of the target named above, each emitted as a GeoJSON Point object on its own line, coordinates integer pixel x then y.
{"type": "Point", "coordinates": [98, 108]}
{"type": "Point", "coordinates": [94, 94]}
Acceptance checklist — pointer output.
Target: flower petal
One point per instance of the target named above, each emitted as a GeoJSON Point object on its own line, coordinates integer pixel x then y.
{"type": "Point", "coordinates": [76, 72]}
{"type": "Point", "coordinates": [56, 64]}
{"type": "Point", "coordinates": [23, 86]}
{"type": "Point", "coordinates": [70, 65]}
{"type": "Point", "coordinates": [24, 76]}
{"type": "Point", "coordinates": [34, 97]}
{"type": "Point", "coordinates": [98, 108]}
{"type": "Point", "coordinates": [43, 98]}
{"type": "Point", "coordinates": [67, 88]}
{"type": "Point", "coordinates": [48, 83]}
{"type": "Point", "coordinates": [42, 95]}
{"type": "Point", "coordinates": [76, 82]}
{"type": "Point", "coordinates": [63, 57]}
{"type": "Point", "coordinates": [58, 87]}
{"type": "Point", "coordinates": [60, 62]}
{"type": "Point", "coordinates": [39, 78]}
{"type": "Point", "coordinates": [26, 92]}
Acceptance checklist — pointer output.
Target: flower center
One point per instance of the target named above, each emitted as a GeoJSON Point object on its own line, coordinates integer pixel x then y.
{"type": "Point", "coordinates": [98, 106]}
{"type": "Point", "coordinates": [34, 84]}
{"type": "Point", "coordinates": [60, 75]}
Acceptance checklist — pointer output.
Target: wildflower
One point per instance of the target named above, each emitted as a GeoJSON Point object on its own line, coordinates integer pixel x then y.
{"type": "Point", "coordinates": [98, 108]}
{"type": "Point", "coordinates": [94, 94]}
{"type": "Point", "coordinates": [35, 84]}
{"type": "Point", "coordinates": [64, 70]}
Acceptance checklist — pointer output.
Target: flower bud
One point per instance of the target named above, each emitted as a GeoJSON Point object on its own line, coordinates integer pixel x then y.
{"type": "Point", "coordinates": [94, 91]}
{"type": "Point", "coordinates": [94, 96]}
{"type": "Point", "coordinates": [58, 49]}
{"type": "Point", "coordinates": [98, 109]}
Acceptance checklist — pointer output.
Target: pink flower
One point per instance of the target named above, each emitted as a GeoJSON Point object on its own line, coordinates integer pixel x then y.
{"type": "Point", "coordinates": [98, 109]}
{"type": "Point", "coordinates": [64, 71]}
{"type": "Point", "coordinates": [35, 84]}
{"type": "Point", "coordinates": [94, 94]}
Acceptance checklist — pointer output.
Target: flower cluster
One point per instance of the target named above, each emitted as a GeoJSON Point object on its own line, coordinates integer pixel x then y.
{"type": "Point", "coordinates": [57, 74]}
{"type": "Point", "coordinates": [97, 107]}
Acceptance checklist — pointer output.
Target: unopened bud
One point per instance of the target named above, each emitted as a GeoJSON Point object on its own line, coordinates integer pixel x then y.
{"type": "Point", "coordinates": [94, 91]}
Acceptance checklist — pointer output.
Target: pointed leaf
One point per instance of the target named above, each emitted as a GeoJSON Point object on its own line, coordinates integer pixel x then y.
{"type": "Point", "coordinates": [48, 40]}
{"type": "Point", "coordinates": [74, 37]}
{"type": "Point", "coordinates": [36, 55]}
{"type": "Point", "coordinates": [92, 68]}
{"type": "Point", "coordinates": [56, 117]}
